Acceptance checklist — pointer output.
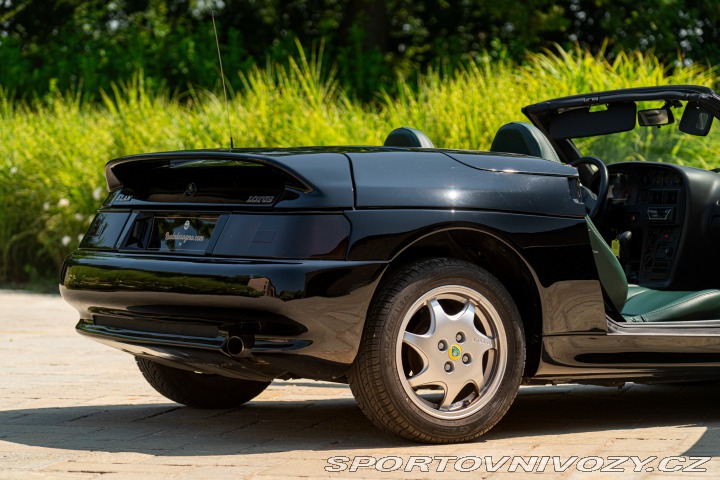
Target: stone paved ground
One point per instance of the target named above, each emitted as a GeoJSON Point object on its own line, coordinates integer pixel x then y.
{"type": "Point", "coordinates": [71, 408]}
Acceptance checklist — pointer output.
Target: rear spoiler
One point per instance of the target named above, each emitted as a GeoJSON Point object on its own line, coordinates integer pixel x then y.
{"type": "Point", "coordinates": [316, 178]}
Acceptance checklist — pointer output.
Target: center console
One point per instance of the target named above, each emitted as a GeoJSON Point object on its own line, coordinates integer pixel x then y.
{"type": "Point", "coordinates": [649, 201]}
{"type": "Point", "coordinates": [664, 221]}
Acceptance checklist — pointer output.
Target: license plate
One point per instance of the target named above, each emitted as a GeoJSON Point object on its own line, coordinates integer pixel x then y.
{"type": "Point", "coordinates": [182, 234]}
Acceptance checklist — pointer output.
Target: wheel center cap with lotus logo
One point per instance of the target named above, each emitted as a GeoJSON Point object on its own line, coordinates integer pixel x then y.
{"type": "Point", "coordinates": [455, 352]}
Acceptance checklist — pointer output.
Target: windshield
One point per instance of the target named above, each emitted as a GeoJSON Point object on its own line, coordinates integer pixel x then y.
{"type": "Point", "coordinates": [656, 144]}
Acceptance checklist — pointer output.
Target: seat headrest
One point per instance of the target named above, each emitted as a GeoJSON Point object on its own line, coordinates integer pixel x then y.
{"type": "Point", "coordinates": [408, 137]}
{"type": "Point", "coordinates": [524, 139]}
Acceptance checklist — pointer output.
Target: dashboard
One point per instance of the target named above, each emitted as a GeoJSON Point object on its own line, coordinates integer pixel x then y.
{"type": "Point", "coordinates": [666, 220]}
{"type": "Point", "coordinates": [657, 186]}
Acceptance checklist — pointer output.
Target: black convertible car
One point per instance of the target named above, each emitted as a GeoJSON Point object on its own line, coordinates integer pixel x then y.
{"type": "Point", "coordinates": [435, 282]}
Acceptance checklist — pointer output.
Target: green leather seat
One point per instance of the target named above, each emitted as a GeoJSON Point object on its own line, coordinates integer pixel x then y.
{"type": "Point", "coordinates": [640, 304]}
{"type": "Point", "coordinates": [408, 137]}
{"type": "Point", "coordinates": [525, 139]}
{"type": "Point", "coordinates": [645, 305]}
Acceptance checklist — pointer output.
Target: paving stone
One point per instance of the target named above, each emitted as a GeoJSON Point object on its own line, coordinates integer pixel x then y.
{"type": "Point", "coordinates": [74, 409]}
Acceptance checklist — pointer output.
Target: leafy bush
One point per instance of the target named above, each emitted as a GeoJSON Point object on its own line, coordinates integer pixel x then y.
{"type": "Point", "coordinates": [92, 43]}
{"type": "Point", "coordinates": [52, 152]}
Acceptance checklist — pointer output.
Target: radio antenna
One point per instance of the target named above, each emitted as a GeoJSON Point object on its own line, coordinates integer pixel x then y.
{"type": "Point", "coordinates": [222, 76]}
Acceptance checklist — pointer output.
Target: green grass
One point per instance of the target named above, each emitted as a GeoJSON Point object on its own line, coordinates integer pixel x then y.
{"type": "Point", "coordinates": [52, 152]}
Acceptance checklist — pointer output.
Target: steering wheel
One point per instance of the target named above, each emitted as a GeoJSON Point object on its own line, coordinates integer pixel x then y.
{"type": "Point", "coordinates": [594, 201]}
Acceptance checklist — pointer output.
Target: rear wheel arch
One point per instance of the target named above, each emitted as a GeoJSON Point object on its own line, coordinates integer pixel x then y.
{"type": "Point", "coordinates": [498, 257]}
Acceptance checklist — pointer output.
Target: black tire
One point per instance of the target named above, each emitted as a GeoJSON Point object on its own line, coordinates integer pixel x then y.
{"type": "Point", "coordinates": [404, 338]}
{"type": "Point", "coordinates": [199, 390]}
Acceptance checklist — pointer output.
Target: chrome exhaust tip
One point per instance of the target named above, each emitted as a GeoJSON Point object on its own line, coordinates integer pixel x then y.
{"type": "Point", "coordinates": [235, 346]}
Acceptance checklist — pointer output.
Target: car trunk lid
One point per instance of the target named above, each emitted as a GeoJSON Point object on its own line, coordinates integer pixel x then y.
{"type": "Point", "coordinates": [242, 179]}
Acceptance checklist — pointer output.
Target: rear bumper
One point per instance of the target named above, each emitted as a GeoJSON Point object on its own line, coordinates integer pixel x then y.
{"type": "Point", "coordinates": [296, 318]}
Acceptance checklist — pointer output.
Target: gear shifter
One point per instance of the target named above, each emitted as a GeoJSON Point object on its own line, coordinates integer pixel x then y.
{"type": "Point", "coordinates": [625, 238]}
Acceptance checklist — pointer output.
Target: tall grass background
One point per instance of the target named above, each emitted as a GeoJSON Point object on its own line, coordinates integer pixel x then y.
{"type": "Point", "coordinates": [53, 150]}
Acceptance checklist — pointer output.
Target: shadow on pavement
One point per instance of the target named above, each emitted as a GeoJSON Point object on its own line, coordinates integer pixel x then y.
{"type": "Point", "coordinates": [338, 424]}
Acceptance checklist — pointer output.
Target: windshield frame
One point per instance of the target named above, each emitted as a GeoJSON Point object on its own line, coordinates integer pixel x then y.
{"type": "Point", "coordinates": [543, 113]}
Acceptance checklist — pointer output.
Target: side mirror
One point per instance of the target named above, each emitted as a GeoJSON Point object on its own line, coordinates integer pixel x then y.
{"type": "Point", "coordinates": [696, 120]}
{"type": "Point", "coordinates": [655, 117]}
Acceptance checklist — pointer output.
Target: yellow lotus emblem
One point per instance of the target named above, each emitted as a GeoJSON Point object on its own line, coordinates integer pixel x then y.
{"type": "Point", "coordinates": [455, 352]}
